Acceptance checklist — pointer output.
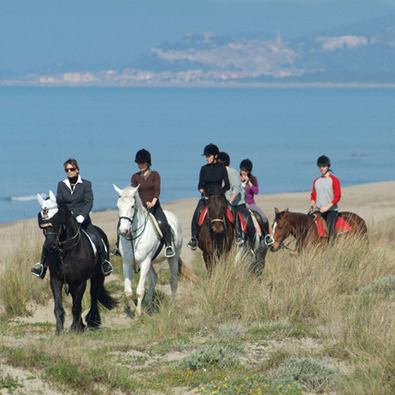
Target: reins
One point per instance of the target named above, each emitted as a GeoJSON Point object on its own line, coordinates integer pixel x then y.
{"type": "Point", "coordinates": [137, 236]}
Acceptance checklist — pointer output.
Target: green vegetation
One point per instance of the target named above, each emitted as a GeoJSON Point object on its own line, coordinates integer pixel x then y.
{"type": "Point", "coordinates": [321, 321]}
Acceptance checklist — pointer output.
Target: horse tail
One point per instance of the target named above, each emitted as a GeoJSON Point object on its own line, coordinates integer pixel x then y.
{"type": "Point", "coordinates": [186, 273]}
{"type": "Point", "coordinates": [106, 299]}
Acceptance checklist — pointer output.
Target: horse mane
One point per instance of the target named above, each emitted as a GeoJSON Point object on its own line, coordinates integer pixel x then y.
{"type": "Point", "coordinates": [66, 217]}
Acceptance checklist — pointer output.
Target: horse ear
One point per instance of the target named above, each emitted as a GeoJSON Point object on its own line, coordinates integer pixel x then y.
{"type": "Point", "coordinates": [52, 197]}
{"type": "Point", "coordinates": [286, 212]}
{"type": "Point", "coordinates": [117, 190]}
{"type": "Point", "coordinates": [276, 210]}
{"type": "Point", "coordinates": [40, 200]}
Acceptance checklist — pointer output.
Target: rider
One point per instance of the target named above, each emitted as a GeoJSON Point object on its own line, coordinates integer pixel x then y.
{"type": "Point", "coordinates": [236, 196]}
{"type": "Point", "coordinates": [76, 193]}
{"type": "Point", "coordinates": [213, 179]}
{"type": "Point", "coordinates": [326, 194]}
{"type": "Point", "coordinates": [250, 183]}
{"type": "Point", "coordinates": [149, 190]}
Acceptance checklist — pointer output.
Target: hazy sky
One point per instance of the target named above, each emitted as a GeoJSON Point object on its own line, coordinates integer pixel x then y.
{"type": "Point", "coordinates": [35, 34]}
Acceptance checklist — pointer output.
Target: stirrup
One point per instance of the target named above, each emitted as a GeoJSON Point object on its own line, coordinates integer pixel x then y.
{"type": "Point", "coordinates": [38, 270]}
{"type": "Point", "coordinates": [115, 251]}
{"type": "Point", "coordinates": [108, 269]}
{"type": "Point", "coordinates": [169, 251]}
{"type": "Point", "coordinates": [269, 240]}
{"type": "Point", "coordinates": [193, 243]}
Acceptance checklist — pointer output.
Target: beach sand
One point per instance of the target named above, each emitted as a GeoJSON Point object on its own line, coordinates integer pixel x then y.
{"type": "Point", "coordinates": [374, 202]}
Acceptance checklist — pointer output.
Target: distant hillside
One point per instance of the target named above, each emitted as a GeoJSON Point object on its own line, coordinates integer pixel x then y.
{"type": "Point", "coordinates": [364, 52]}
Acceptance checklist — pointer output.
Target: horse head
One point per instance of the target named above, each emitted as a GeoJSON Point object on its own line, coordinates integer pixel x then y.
{"type": "Point", "coordinates": [216, 212]}
{"type": "Point", "coordinates": [281, 229]}
{"type": "Point", "coordinates": [127, 204]}
{"type": "Point", "coordinates": [47, 221]}
{"type": "Point", "coordinates": [55, 221]}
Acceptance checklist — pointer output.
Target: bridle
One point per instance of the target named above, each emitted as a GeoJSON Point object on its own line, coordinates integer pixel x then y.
{"type": "Point", "coordinates": [285, 246]}
{"type": "Point", "coordinates": [130, 235]}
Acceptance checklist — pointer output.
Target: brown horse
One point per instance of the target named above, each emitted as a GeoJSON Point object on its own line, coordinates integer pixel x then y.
{"type": "Point", "coordinates": [217, 232]}
{"type": "Point", "coordinates": [304, 229]}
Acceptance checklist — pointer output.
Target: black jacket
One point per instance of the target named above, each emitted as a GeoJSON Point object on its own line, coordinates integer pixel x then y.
{"type": "Point", "coordinates": [214, 178]}
{"type": "Point", "coordinates": [80, 200]}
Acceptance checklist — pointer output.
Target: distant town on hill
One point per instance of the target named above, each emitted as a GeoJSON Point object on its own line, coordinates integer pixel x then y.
{"type": "Point", "coordinates": [363, 53]}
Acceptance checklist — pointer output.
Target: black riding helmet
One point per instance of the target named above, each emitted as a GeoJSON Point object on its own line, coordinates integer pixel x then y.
{"type": "Point", "coordinates": [143, 156]}
{"type": "Point", "coordinates": [323, 160]}
{"type": "Point", "coordinates": [246, 164]}
{"type": "Point", "coordinates": [210, 149]}
{"type": "Point", "coordinates": [224, 157]}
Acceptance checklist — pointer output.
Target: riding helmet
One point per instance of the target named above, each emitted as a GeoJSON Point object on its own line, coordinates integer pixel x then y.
{"type": "Point", "coordinates": [323, 160]}
{"type": "Point", "coordinates": [210, 149]}
{"type": "Point", "coordinates": [246, 164]}
{"type": "Point", "coordinates": [224, 157]}
{"type": "Point", "coordinates": [143, 156]}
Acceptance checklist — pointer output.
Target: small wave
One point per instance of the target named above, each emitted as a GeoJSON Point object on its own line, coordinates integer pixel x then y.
{"type": "Point", "coordinates": [26, 198]}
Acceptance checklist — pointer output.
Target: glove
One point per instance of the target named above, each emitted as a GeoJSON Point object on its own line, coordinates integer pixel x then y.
{"type": "Point", "coordinates": [80, 219]}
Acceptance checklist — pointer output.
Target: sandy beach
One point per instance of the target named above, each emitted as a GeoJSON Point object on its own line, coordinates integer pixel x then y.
{"type": "Point", "coordinates": [374, 202]}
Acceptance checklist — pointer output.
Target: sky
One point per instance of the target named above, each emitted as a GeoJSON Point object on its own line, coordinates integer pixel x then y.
{"type": "Point", "coordinates": [36, 35]}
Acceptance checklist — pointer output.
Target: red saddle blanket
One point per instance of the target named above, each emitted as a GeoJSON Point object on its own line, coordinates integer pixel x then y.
{"type": "Point", "coordinates": [341, 226]}
{"type": "Point", "coordinates": [204, 212]}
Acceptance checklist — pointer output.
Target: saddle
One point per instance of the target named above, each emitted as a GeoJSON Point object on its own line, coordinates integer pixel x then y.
{"type": "Point", "coordinates": [243, 222]}
{"type": "Point", "coordinates": [97, 243]}
{"type": "Point", "coordinates": [341, 226]}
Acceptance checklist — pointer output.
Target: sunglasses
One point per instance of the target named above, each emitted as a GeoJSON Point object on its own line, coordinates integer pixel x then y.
{"type": "Point", "coordinates": [70, 169]}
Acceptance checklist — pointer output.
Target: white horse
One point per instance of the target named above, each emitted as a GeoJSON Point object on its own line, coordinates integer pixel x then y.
{"type": "Point", "coordinates": [138, 244]}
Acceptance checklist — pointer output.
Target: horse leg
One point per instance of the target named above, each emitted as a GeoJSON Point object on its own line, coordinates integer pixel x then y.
{"type": "Point", "coordinates": [144, 269]}
{"type": "Point", "coordinates": [93, 319]}
{"type": "Point", "coordinates": [77, 292]}
{"type": "Point", "coordinates": [128, 277]}
{"type": "Point", "coordinates": [56, 287]}
{"type": "Point", "coordinates": [153, 279]}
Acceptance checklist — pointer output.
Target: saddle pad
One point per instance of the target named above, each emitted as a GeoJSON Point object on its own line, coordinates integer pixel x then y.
{"type": "Point", "coordinates": [341, 226]}
{"type": "Point", "coordinates": [242, 223]}
{"type": "Point", "coordinates": [91, 241]}
{"type": "Point", "coordinates": [155, 225]}
{"type": "Point", "coordinates": [230, 216]}
{"type": "Point", "coordinates": [202, 215]}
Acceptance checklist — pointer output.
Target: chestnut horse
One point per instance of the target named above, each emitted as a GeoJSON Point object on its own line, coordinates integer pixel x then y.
{"type": "Point", "coordinates": [304, 229]}
{"type": "Point", "coordinates": [217, 231]}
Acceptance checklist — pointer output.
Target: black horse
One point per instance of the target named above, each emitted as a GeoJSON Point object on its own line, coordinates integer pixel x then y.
{"type": "Point", "coordinates": [72, 261]}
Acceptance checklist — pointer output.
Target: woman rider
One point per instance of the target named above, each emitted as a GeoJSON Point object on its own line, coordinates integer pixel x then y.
{"type": "Point", "coordinates": [149, 191]}
{"type": "Point", "coordinates": [213, 179]}
{"type": "Point", "coordinates": [250, 183]}
{"type": "Point", "coordinates": [76, 193]}
{"type": "Point", "coordinates": [326, 194]}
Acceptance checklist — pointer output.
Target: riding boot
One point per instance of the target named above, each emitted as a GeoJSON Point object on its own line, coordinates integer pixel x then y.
{"type": "Point", "coordinates": [169, 250]}
{"type": "Point", "coordinates": [40, 268]}
{"type": "Point", "coordinates": [106, 266]}
{"type": "Point", "coordinates": [193, 243]}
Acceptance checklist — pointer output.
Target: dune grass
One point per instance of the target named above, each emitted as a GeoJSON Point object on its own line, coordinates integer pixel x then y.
{"type": "Point", "coordinates": [320, 321]}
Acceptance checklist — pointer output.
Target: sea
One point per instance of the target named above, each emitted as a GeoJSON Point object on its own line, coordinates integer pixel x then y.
{"type": "Point", "coordinates": [281, 130]}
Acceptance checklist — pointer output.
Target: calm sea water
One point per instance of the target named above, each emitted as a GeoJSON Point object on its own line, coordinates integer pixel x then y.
{"type": "Point", "coordinates": [282, 131]}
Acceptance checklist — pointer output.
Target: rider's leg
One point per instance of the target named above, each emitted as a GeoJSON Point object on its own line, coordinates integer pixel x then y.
{"type": "Point", "coordinates": [331, 218]}
{"type": "Point", "coordinates": [193, 243]}
{"type": "Point", "coordinates": [40, 268]}
{"type": "Point", "coordinates": [166, 231]}
{"type": "Point", "coordinates": [102, 252]}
